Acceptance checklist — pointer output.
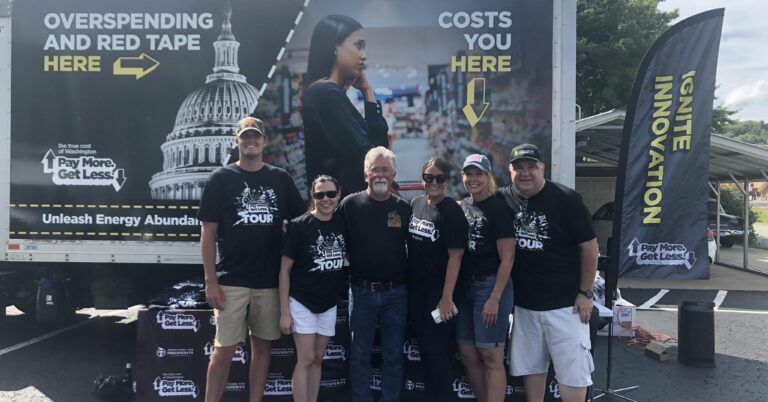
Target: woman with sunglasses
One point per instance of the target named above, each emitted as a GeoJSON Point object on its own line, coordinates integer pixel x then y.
{"type": "Point", "coordinates": [436, 242]}
{"type": "Point", "coordinates": [485, 295]}
{"type": "Point", "coordinates": [312, 277]}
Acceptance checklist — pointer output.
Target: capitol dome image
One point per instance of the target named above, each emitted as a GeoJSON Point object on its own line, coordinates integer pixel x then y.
{"type": "Point", "coordinates": [204, 132]}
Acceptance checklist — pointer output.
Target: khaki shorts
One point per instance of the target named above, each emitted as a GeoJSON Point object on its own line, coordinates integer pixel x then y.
{"type": "Point", "coordinates": [559, 334]}
{"type": "Point", "coordinates": [245, 308]}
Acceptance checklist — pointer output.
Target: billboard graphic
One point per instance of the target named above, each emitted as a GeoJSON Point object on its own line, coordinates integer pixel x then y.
{"type": "Point", "coordinates": [662, 188]}
{"type": "Point", "coordinates": [121, 110]}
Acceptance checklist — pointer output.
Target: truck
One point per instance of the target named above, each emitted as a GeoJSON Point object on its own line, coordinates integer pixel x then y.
{"type": "Point", "coordinates": [113, 114]}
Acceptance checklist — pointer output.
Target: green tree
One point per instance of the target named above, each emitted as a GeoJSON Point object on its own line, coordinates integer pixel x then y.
{"type": "Point", "coordinates": [751, 131]}
{"type": "Point", "coordinates": [722, 117]}
{"type": "Point", "coordinates": [612, 37]}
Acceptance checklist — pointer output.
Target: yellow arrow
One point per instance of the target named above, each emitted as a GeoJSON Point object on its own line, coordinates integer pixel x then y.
{"type": "Point", "coordinates": [149, 65]}
{"type": "Point", "coordinates": [469, 108]}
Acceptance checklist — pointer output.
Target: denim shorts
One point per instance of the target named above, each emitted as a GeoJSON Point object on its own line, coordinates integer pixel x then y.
{"type": "Point", "coordinates": [470, 329]}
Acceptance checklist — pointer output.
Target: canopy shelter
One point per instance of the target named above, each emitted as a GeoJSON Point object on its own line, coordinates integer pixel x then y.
{"type": "Point", "coordinates": [598, 138]}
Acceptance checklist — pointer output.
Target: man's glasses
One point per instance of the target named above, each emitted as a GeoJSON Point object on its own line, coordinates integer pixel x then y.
{"type": "Point", "coordinates": [322, 194]}
{"type": "Point", "coordinates": [380, 170]}
{"type": "Point", "coordinates": [429, 178]}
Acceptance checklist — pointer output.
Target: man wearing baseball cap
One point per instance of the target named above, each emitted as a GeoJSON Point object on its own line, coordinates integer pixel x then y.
{"type": "Point", "coordinates": [555, 264]}
{"type": "Point", "coordinates": [242, 209]}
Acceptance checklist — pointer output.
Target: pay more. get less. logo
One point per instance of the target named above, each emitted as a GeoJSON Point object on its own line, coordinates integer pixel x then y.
{"type": "Point", "coordinates": [83, 171]}
{"type": "Point", "coordinates": [175, 385]}
{"type": "Point", "coordinates": [177, 321]}
{"type": "Point", "coordinates": [423, 228]}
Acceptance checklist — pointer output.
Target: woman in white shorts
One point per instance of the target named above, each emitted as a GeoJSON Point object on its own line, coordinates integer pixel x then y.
{"type": "Point", "coordinates": [312, 275]}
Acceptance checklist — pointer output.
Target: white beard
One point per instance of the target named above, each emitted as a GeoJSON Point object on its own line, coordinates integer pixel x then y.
{"type": "Point", "coordinates": [380, 187]}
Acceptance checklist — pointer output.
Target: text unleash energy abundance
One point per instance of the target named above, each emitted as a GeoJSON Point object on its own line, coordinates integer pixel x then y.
{"type": "Point", "coordinates": [127, 221]}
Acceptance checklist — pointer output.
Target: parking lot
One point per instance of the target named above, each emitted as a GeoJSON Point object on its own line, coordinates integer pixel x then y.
{"type": "Point", "coordinates": [43, 363]}
{"type": "Point", "coordinates": [40, 363]}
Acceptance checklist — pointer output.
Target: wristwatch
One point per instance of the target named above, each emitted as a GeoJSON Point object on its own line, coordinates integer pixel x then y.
{"type": "Point", "coordinates": [587, 293]}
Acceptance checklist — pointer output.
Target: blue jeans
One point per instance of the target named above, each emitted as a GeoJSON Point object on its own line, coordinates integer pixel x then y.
{"type": "Point", "coordinates": [388, 309]}
{"type": "Point", "coordinates": [470, 329]}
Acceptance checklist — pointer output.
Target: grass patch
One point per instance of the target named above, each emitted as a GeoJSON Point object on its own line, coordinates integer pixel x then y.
{"type": "Point", "coordinates": [762, 214]}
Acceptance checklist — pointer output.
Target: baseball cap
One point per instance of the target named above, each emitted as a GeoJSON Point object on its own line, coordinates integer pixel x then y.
{"type": "Point", "coordinates": [525, 151]}
{"type": "Point", "coordinates": [250, 123]}
{"type": "Point", "coordinates": [479, 161]}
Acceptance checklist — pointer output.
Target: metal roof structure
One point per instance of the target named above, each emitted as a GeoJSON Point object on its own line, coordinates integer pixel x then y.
{"type": "Point", "coordinates": [598, 137]}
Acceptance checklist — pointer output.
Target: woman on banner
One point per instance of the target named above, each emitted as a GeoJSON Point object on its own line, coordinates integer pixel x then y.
{"type": "Point", "coordinates": [312, 277]}
{"type": "Point", "coordinates": [336, 135]}
{"type": "Point", "coordinates": [485, 296]}
{"type": "Point", "coordinates": [437, 239]}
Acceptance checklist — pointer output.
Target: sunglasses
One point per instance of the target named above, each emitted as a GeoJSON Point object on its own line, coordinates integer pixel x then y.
{"type": "Point", "coordinates": [429, 178]}
{"type": "Point", "coordinates": [323, 194]}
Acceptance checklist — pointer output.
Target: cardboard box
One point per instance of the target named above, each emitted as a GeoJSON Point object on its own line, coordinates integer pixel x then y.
{"type": "Point", "coordinates": [658, 351]}
{"type": "Point", "coordinates": [624, 319]}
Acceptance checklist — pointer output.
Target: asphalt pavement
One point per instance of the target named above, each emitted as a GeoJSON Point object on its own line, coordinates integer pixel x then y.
{"type": "Point", "coordinates": [740, 327]}
{"type": "Point", "coordinates": [44, 363]}
{"type": "Point", "coordinates": [41, 363]}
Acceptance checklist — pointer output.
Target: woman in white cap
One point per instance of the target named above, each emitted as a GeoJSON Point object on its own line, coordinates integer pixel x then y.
{"type": "Point", "coordinates": [485, 295]}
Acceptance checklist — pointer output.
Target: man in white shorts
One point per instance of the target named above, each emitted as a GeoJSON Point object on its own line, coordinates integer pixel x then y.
{"type": "Point", "coordinates": [554, 270]}
{"type": "Point", "coordinates": [242, 209]}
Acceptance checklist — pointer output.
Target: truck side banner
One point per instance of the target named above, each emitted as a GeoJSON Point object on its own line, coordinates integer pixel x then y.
{"type": "Point", "coordinates": [120, 110]}
{"type": "Point", "coordinates": [662, 188]}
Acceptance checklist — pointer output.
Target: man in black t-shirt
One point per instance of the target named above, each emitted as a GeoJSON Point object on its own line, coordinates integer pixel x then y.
{"type": "Point", "coordinates": [243, 208]}
{"type": "Point", "coordinates": [555, 264]}
{"type": "Point", "coordinates": [377, 230]}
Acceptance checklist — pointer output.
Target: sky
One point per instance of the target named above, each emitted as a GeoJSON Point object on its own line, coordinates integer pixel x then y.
{"type": "Point", "coordinates": [742, 68]}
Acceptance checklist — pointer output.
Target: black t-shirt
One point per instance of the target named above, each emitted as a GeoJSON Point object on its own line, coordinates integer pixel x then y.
{"type": "Point", "coordinates": [377, 232]}
{"type": "Point", "coordinates": [336, 136]}
{"type": "Point", "coordinates": [433, 230]}
{"type": "Point", "coordinates": [549, 228]}
{"type": "Point", "coordinates": [318, 249]}
{"type": "Point", "coordinates": [489, 220]}
{"type": "Point", "coordinates": [250, 208]}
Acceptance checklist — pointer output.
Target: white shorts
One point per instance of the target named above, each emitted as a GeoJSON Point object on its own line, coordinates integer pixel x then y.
{"type": "Point", "coordinates": [306, 322]}
{"type": "Point", "coordinates": [559, 334]}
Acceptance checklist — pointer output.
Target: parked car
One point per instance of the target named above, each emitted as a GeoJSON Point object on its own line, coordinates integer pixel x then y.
{"type": "Point", "coordinates": [602, 221]}
{"type": "Point", "coordinates": [731, 226]}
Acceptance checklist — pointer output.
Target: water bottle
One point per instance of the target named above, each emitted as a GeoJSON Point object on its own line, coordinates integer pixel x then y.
{"type": "Point", "coordinates": [128, 384]}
